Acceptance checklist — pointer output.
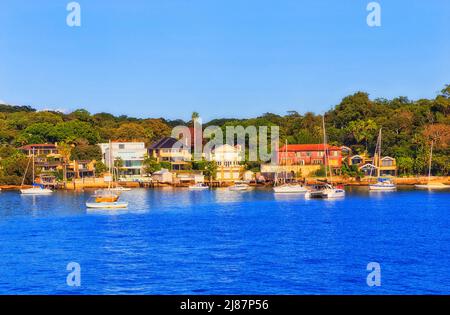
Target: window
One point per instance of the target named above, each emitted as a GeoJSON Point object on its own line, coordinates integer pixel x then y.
{"type": "Point", "coordinates": [121, 146]}
{"type": "Point", "coordinates": [387, 163]}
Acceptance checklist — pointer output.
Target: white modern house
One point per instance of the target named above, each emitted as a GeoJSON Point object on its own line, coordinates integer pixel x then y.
{"type": "Point", "coordinates": [132, 155]}
{"type": "Point", "coordinates": [228, 160]}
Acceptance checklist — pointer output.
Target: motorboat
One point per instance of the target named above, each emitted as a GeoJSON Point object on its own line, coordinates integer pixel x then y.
{"type": "Point", "coordinates": [239, 187]}
{"type": "Point", "coordinates": [198, 186]}
{"type": "Point", "coordinates": [326, 191]}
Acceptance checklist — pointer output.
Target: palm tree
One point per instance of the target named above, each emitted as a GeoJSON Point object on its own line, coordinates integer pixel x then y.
{"type": "Point", "coordinates": [65, 150]}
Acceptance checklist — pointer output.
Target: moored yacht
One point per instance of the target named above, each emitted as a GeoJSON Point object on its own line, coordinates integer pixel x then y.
{"type": "Point", "coordinates": [287, 188]}
{"type": "Point", "coordinates": [293, 188]}
{"type": "Point", "coordinates": [431, 185]}
{"type": "Point", "coordinates": [109, 197]}
{"type": "Point", "coordinates": [37, 189]}
{"type": "Point", "coordinates": [385, 184]}
{"type": "Point", "coordinates": [326, 191]}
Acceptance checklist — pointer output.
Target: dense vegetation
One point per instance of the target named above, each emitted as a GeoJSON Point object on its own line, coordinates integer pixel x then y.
{"type": "Point", "coordinates": [408, 129]}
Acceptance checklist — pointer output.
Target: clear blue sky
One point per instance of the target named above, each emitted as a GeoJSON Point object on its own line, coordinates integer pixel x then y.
{"type": "Point", "coordinates": [222, 58]}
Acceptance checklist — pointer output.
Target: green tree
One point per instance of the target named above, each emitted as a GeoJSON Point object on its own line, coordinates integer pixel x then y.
{"type": "Point", "coordinates": [151, 165]}
{"type": "Point", "coordinates": [100, 168]}
{"type": "Point", "coordinates": [210, 170]}
{"type": "Point", "coordinates": [132, 131]}
{"type": "Point", "coordinates": [13, 169]}
{"type": "Point", "coordinates": [363, 130]}
{"type": "Point", "coordinates": [86, 152]}
{"type": "Point", "coordinates": [405, 165]}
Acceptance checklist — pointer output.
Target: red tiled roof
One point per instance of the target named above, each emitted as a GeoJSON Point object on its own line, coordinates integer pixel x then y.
{"type": "Point", "coordinates": [308, 147]}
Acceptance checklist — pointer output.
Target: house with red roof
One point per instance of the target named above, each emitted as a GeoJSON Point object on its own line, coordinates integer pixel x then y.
{"type": "Point", "coordinates": [310, 154]}
{"type": "Point", "coordinates": [296, 160]}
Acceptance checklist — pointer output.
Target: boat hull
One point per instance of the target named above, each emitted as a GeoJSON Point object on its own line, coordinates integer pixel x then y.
{"type": "Point", "coordinates": [239, 188]}
{"type": "Point", "coordinates": [326, 194]}
{"type": "Point", "coordinates": [382, 187]}
{"type": "Point", "coordinates": [36, 191]}
{"type": "Point", "coordinates": [106, 205]}
{"type": "Point", "coordinates": [442, 186]}
{"type": "Point", "coordinates": [120, 189]}
{"type": "Point", "coordinates": [198, 188]}
{"type": "Point", "coordinates": [290, 189]}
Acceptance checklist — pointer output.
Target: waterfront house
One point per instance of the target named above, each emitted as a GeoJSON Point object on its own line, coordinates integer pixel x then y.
{"type": "Point", "coordinates": [81, 169]}
{"type": "Point", "coordinates": [359, 160]}
{"type": "Point", "coordinates": [385, 166]}
{"type": "Point", "coordinates": [303, 160]}
{"type": "Point", "coordinates": [309, 154]}
{"type": "Point", "coordinates": [39, 149]}
{"type": "Point", "coordinates": [193, 177]}
{"type": "Point", "coordinates": [228, 159]}
{"type": "Point", "coordinates": [171, 150]}
{"type": "Point", "coordinates": [132, 155]}
{"type": "Point", "coordinates": [46, 156]}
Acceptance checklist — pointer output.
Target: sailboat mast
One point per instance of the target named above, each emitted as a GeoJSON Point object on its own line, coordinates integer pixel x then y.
{"type": "Point", "coordinates": [110, 163]}
{"type": "Point", "coordinates": [285, 160]}
{"type": "Point", "coordinates": [32, 178]}
{"type": "Point", "coordinates": [324, 146]}
{"type": "Point", "coordinates": [379, 154]}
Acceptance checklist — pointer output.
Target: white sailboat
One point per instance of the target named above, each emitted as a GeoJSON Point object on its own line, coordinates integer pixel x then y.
{"type": "Point", "coordinates": [37, 189]}
{"type": "Point", "coordinates": [326, 190]}
{"type": "Point", "coordinates": [383, 183]}
{"type": "Point", "coordinates": [429, 184]}
{"type": "Point", "coordinates": [107, 198]}
{"type": "Point", "coordinates": [288, 188]}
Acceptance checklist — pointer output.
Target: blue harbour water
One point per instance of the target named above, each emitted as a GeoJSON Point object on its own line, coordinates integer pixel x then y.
{"type": "Point", "coordinates": [176, 241]}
